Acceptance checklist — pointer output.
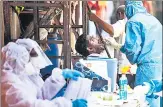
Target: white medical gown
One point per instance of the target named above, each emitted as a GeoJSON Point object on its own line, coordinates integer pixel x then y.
{"type": "Point", "coordinates": [32, 91]}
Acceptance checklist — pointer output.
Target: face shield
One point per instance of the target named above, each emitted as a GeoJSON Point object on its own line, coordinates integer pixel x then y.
{"type": "Point", "coordinates": [41, 60]}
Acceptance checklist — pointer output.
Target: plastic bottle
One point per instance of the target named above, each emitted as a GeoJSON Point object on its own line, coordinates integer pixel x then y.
{"type": "Point", "coordinates": [123, 87]}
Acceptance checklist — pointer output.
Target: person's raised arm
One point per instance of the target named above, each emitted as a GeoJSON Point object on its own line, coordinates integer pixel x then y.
{"type": "Point", "coordinates": [105, 26]}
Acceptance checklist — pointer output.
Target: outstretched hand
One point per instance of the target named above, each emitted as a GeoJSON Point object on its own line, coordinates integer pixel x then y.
{"type": "Point", "coordinates": [71, 74]}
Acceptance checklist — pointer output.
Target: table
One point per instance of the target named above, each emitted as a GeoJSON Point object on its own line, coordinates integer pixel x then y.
{"type": "Point", "coordinates": [133, 101]}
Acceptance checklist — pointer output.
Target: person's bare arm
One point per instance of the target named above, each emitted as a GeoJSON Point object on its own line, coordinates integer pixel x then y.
{"type": "Point", "coordinates": [105, 26]}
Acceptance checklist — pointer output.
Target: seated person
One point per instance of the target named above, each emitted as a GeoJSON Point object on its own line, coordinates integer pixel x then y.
{"type": "Point", "coordinates": [21, 84]}
{"type": "Point", "coordinates": [92, 46]}
{"type": "Point", "coordinates": [89, 46]}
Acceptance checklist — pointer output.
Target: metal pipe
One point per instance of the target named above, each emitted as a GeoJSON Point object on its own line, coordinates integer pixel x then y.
{"type": "Point", "coordinates": [7, 14]}
{"type": "Point", "coordinates": [1, 26]}
{"type": "Point", "coordinates": [36, 28]}
{"type": "Point", "coordinates": [67, 31]}
{"type": "Point", "coordinates": [1, 45]}
{"type": "Point", "coordinates": [84, 18]}
{"type": "Point", "coordinates": [35, 4]}
{"type": "Point", "coordinates": [15, 25]}
{"type": "Point", "coordinates": [59, 26]}
{"type": "Point", "coordinates": [77, 13]}
{"type": "Point", "coordinates": [50, 42]}
{"type": "Point", "coordinates": [74, 30]}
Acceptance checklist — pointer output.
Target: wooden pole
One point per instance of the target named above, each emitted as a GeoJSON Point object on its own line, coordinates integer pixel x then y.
{"type": "Point", "coordinates": [1, 37]}
{"type": "Point", "coordinates": [1, 24]}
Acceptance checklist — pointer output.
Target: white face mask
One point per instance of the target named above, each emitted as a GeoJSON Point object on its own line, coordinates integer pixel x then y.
{"type": "Point", "coordinates": [37, 62]}
{"type": "Point", "coordinates": [30, 70]}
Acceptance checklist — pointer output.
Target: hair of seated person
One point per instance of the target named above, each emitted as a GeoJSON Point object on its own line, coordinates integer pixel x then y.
{"type": "Point", "coordinates": [81, 45]}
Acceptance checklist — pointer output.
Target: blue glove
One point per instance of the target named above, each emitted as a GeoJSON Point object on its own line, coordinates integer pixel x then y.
{"type": "Point", "coordinates": [79, 103]}
{"type": "Point", "coordinates": [71, 74]}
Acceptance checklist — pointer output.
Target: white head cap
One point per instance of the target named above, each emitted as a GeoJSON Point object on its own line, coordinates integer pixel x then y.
{"type": "Point", "coordinates": [16, 57]}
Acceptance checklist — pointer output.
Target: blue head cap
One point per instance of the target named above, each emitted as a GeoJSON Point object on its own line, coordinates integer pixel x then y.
{"type": "Point", "coordinates": [132, 7]}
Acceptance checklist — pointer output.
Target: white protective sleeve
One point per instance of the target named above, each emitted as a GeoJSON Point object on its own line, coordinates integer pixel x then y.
{"type": "Point", "coordinates": [23, 92]}
{"type": "Point", "coordinates": [16, 97]}
{"type": "Point", "coordinates": [53, 84]}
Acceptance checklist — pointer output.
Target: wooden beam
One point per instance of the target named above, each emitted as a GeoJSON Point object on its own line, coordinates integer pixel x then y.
{"type": "Point", "coordinates": [1, 25]}
{"type": "Point", "coordinates": [66, 37]}
{"type": "Point", "coordinates": [1, 37]}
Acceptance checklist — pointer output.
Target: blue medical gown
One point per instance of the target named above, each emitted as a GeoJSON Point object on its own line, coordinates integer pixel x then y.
{"type": "Point", "coordinates": [143, 45]}
{"type": "Point", "coordinates": [156, 87]}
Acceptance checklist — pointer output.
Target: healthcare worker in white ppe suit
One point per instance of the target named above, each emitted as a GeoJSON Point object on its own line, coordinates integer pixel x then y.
{"type": "Point", "coordinates": [22, 85]}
